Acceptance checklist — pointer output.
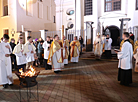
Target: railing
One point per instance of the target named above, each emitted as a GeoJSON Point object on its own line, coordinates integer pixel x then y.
{"type": "Point", "coordinates": [69, 34]}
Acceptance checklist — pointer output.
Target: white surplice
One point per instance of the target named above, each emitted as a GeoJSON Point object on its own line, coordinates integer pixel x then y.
{"type": "Point", "coordinates": [108, 44]}
{"type": "Point", "coordinates": [46, 50]}
{"type": "Point", "coordinates": [6, 62]}
{"type": "Point", "coordinates": [125, 56]}
{"type": "Point", "coordinates": [30, 56]}
{"type": "Point", "coordinates": [57, 66]}
{"type": "Point", "coordinates": [20, 57]}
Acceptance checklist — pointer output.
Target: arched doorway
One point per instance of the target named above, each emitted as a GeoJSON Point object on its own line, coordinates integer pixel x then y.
{"type": "Point", "coordinates": [114, 33]}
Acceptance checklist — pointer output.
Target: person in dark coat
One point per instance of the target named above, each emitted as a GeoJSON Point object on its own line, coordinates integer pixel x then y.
{"type": "Point", "coordinates": [13, 57]}
{"type": "Point", "coordinates": [40, 52]}
{"type": "Point", "coordinates": [132, 36]}
{"type": "Point", "coordinates": [81, 42]}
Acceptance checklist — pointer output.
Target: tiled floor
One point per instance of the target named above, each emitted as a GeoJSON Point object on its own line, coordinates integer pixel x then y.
{"type": "Point", "coordinates": [87, 81]}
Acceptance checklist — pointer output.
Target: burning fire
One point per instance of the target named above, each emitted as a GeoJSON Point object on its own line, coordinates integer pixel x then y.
{"type": "Point", "coordinates": [29, 73]}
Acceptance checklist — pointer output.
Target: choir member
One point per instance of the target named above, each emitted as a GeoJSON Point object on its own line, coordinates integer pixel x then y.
{"type": "Point", "coordinates": [30, 52]}
{"type": "Point", "coordinates": [5, 63]}
{"type": "Point", "coordinates": [56, 55]}
{"type": "Point", "coordinates": [125, 61]}
{"type": "Point", "coordinates": [46, 46]}
{"type": "Point", "coordinates": [107, 48]}
{"type": "Point", "coordinates": [75, 50]}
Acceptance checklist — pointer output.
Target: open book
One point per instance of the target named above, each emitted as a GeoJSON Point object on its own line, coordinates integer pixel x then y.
{"type": "Point", "coordinates": [117, 50]}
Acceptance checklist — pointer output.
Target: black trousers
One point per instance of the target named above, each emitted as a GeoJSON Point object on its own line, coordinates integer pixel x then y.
{"type": "Point", "coordinates": [125, 76]}
{"type": "Point", "coordinates": [21, 66]}
{"type": "Point", "coordinates": [47, 66]}
{"type": "Point", "coordinates": [108, 54]}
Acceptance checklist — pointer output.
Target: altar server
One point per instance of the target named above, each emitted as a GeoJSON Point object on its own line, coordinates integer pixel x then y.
{"type": "Point", "coordinates": [30, 52]}
{"type": "Point", "coordinates": [75, 50]}
{"type": "Point", "coordinates": [20, 54]}
{"type": "Point", "coordinates": [46, 46]}
{"type": "Point", "coordinates": [66, 50]}
{"type": "Point", "coordinates": [56, 55]}
{"type": "Point", "coordinates": [108, 42]}
{"type": "Point", "coordinates": [125, 61]}
{"type": "Point", "coordinates": [5, 63]}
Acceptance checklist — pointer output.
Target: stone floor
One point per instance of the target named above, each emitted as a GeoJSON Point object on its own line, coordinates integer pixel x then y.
{"type": "Point", "coordinates": [87, 81]}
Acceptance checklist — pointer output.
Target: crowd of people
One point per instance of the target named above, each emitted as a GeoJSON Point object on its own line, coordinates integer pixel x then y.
{"type": "Point", "coordinates": [55, 53]}
{"type": "Point", "coordinates": [52, 53]}
{"type": "Point", "coordinates": [127, 54]}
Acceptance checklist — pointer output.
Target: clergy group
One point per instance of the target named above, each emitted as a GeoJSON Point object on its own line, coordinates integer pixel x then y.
{"type": "Point", "coordinates": [56, 55]}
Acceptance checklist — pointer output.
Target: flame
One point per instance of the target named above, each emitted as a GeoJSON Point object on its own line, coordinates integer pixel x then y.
{"type": "Point", "coordinates": [29, 73]}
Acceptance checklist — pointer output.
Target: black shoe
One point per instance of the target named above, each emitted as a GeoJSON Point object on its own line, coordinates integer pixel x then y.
{"type": "Point", "coordinates": [59, 71]}
{"type": "Point", "coordinates": [10, 84]}
{"type": "Point", "coordinates": [56, 72]}
{"type": "Point", "coordinates": [5, 85]}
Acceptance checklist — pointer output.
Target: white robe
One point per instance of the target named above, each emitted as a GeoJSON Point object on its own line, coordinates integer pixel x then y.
{"type": "Point", "coordinates": [57, 66]}
{"type": "Point", "coordinates": [20, 57]}
{"type": "Point", "coordinates": [30, 56]}
{"type": "Point", "coordinates": [76, 59]}
{"type": "Point", "coordinates": [108, 44]}
{"type": "Point", "coordinates": [99, 46]}
{"type": "Point", "coordinates": [46, 51]}
{"type": "Point", "coordinates": [6, 63]}
{"type": "Point", "coordinates": [125, 56]}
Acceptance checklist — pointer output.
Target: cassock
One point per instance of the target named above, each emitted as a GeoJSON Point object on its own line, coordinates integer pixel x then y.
{"type": "Point", "coordinates": [107, 48]}
{"type": "Point", "coordinates": [125, 63]}
{"type": "Point", "coordinates": [46, 46]}
{"type": "Point", "coordinates": [28, 47]}
{"type": "Point", "coordinates": [20, 56]}
{"type": "Point", "coordinates": [6, 68]}
{"type": "Point", "coordinates": [66, 51]}
{"type": "Point", "coordinates": [56, 55]}
{"type": "Point", "coordinates": [75, 50]}
{"type": "Point", "coordinates": [98, 46]}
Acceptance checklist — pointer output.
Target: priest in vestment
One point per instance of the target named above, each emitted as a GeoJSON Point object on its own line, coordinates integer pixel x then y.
{"type": "Point", "coordinates": [5, 63]}
{"type": "Point", "coordinates": [98, 47]}
{"type": "Point", "coordinates": [75, 50]}
{"type": "Point", "coordinates": [56, 55]}
{"type": "Point", "coordinates": [20, 54]}
{"type": "Point", "coordinates": [125, 61]}
{"type": "Point", "coordinates": [136, 46]}
{"type": "Point", "coordinates": [66, 50]}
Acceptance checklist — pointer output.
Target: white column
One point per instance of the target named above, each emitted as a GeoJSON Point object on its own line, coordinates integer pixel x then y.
{"type": "Point", "coordinates": [27, 33]}
{"type": "Point", "coordinates": [43, 34]}
{"type": "Point", "coordinates": [78, 14]}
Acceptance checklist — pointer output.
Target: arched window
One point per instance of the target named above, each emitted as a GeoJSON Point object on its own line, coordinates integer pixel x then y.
{"type": "Point", "coordinates": [112, 5]}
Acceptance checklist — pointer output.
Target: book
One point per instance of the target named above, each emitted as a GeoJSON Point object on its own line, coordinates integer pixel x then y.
{"type": "Point", "coordinates": [117, 50]}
